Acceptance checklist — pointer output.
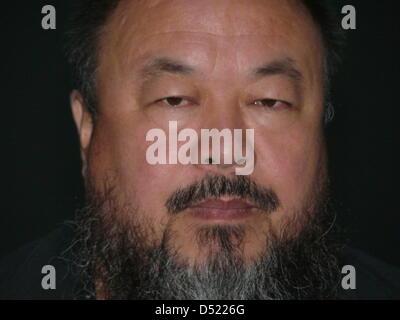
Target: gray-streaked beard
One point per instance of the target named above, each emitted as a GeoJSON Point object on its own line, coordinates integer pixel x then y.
{"type": "Point", "coordinates": [117, 257]}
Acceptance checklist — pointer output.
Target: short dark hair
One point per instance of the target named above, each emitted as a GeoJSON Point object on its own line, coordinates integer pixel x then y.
{"type": "Point", "coordinates": [90, 16]}
{"type": "Point", "coordinates": [325, 16]}
{"type": "Point", "coordinates": [85, 27]}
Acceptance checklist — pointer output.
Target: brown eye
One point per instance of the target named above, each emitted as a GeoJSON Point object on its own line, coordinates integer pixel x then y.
{"type": "Point", "coordinates": [174, 101]}
{"type": "Point", "coordinates": [269, 103]}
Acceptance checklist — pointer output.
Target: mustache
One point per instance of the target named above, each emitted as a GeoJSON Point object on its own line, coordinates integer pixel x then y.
{"type": "Point", "coordinates": [216, 186]}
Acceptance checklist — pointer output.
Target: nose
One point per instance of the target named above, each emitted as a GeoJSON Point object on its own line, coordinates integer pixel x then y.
{"type": "Point", "coordinates": [226, 145]}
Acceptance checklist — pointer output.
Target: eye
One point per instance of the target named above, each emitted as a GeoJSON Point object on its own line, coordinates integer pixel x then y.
{"type": "Point", "coordinates": [271, 103]}
{"type": "Point", "coordinates": [174, 101]}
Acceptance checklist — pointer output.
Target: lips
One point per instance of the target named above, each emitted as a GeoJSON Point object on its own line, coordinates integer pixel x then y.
{"type": "Point", "coordinates": [217, 209]}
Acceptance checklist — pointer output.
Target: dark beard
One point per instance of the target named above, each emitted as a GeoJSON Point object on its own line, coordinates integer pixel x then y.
{"type": "Point", "coordinates": [299, 263]}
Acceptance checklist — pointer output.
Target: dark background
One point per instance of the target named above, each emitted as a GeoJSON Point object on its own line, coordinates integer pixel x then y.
{"type": "Point", "coordinates": [42, 170]}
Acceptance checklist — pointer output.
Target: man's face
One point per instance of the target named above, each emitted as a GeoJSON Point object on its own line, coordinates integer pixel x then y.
{"type": "Point", "coordinates": [254, 64]}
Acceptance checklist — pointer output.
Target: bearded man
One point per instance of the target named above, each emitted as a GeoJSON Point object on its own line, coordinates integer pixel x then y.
{"type": "Point", "coordinates": [199, 230]}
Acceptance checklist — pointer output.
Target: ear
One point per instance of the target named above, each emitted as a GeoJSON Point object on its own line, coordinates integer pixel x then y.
{"type": "Point", "coordinates": [84, 123]}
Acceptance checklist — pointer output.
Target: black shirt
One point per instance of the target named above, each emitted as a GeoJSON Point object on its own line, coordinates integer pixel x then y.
{"type": "Point", "coordinates": [21, 272]}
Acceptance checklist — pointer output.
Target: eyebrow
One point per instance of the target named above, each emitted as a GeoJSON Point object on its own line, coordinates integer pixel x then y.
{"type": "Point", "coordinates": [159, 65]}
{"type": "Point", "coordinates": [283, 66]}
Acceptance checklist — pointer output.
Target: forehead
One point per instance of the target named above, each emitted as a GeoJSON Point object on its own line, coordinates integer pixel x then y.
{"type": "Point", "coordinates": [218, 17]}
{"type": "Point", "coordinates": [243, 31]}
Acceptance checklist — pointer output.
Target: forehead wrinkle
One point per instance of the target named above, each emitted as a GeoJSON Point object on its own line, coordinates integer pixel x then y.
{"type": "Point", "coordinates": [220, 16]}
{"type": "Point", "coordinates": [221, 22]}
{"type": "Point", "coordinates": [132, 29]}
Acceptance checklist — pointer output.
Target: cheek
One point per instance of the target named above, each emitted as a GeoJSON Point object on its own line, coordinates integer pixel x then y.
{"type": "Point", "coordinates": [289, 163]}
{"type": "Point", "coordinates": [119, 150]}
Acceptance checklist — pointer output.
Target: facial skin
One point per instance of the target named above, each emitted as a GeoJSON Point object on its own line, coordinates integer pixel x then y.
{"type": "Point", "coordinates": [223, 41]}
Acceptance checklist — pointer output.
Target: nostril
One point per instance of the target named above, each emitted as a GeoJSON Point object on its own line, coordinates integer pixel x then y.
{"type": "Point", "coordinates": [210, 160]}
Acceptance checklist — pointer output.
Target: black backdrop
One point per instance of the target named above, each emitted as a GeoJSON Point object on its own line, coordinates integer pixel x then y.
{"type": "Point", "coordinates": [42, 170]}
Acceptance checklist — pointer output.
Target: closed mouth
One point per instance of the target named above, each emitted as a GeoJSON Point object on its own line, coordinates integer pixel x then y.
{"type": "Point", "coordinates": [223, 209]}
